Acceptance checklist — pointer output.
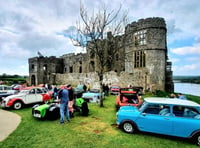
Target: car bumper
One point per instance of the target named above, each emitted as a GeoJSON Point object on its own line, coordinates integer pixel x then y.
{"type": "Point", "coordinates": [90, 99]}
{"type": "Point", "coordinates": [36, 114]}
{"type": "Point", "coordinates": [3, 104]}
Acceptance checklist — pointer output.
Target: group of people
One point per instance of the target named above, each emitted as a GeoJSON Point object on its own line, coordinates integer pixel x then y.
{"type": "Point", "coordinates": [180, 96]}
{"type": "Point", "coordinates": [65, 97]}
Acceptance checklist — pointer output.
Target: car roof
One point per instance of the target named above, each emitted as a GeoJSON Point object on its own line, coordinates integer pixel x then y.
{"type": "Point", "coordinates": [174, 101]}
{"type": "Point", "coordinates": [27, 88]}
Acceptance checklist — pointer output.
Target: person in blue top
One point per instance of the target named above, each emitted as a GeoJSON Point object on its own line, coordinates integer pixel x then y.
{"type": "Point", "coordinates": [64, 99]}
{"type": "Point", "coordinates": [181, 96]}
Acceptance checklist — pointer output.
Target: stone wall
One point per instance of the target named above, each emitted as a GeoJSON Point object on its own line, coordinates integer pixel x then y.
{"type": "Point", "coordinates": [123, 79]}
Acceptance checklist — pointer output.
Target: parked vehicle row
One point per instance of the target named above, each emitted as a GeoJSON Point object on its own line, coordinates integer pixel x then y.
{"type": "Point", "coordinates": [165, 116]}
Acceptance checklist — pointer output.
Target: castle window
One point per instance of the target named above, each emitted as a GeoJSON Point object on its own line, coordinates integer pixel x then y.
{"type": "Point", "coordinates": [32, 66]}
{"type": "Point", "coordinates": [139, 58]}
{"type": "Point", "coordinates": [92, 66]}
{"type": "Point", "coordinates": [45, 67]}
{"type": "Point", "coordinates": [117, 57]}
{"type": "Point", "coordinates": [92, 54]}
{"type": "Point", "coordinates": [71, 69]}
{"type": "Point", "coordinates": [140, 37]}
{"type": "Point", "coordinates": [80, 69]}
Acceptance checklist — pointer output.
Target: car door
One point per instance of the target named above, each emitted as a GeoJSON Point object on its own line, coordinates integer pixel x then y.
{"type": "Point", "coordinates": [30, 96]}
{"type": "Point", "coordinates": [183, 122]}
{"type": "Point", "coordinates": [38, 95]}
{"type": "Point", "coordinates": [151, 121]}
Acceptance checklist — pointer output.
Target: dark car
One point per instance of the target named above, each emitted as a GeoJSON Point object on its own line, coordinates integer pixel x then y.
{"type": "Point", "coordinates": [46, 111]}
{"type": "Point", "coordinates": [52, 111]}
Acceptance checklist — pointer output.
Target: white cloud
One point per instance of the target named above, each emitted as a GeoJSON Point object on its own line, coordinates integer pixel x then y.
{"type": "Point", "coordinates": [30, 26]}
{"type": "Point", "coordinates": [186, 69]}
{"type": "Point", "coordinates": [186, 50]}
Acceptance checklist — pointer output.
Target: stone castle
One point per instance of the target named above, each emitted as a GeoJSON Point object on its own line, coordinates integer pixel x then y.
{"type": "Point", "coordinates": [143, 47]}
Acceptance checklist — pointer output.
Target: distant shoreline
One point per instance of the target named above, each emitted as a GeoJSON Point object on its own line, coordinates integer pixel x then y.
{"type": "Point", "coordinates": [187, 79]}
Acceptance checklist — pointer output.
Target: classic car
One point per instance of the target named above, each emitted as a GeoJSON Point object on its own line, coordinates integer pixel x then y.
{"type": "Point", "coordinates": [114, 89]}
{"type": "Point", "coordinates": [6, 89]}
{"type": "Point", "coordinates": [52, 111]}
{"type": "Point", "coordinates": [46, 111]}
{"type": "Point", "coordinates": [78, 91]}
{"type": "Point", "coordinates": [93, 95]}
{"type": "Point", "coordinates": [126, 97]}
{"type": "Point", "coordinates": [28, 95]}
{"type": "Point", "coordinates": [173, 117]}
{"type": "Point", "coordinates": [6, 94]}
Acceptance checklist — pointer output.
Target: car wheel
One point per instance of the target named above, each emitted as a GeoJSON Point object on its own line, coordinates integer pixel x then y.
{"type": "Point", "coordinates": [128, 127]}
{"type": "Point", "coordinates": [196, 139]}
{"type": "Point", "coordinates": [17, 105]}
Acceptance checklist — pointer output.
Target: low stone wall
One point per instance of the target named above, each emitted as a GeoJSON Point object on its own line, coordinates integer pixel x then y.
{"type": "Point", "coordinates": [123, 79]}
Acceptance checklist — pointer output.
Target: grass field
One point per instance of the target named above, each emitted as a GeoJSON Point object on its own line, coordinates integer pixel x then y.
{"type": "Point", "coordinates": [98, 130]}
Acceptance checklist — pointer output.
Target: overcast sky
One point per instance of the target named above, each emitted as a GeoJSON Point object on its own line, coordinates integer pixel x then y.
{"type": "Point", "coordinates": [29, 26]}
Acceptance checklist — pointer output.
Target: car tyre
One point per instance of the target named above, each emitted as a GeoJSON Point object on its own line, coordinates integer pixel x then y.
{"type": "Point", "coordinates": [117, 107]}
{"type": "Point", "coordinates": [196, 139]}
{"type": "Point", "coordinates": [129, 127]}
{"type": "Point", "coordinates": [17, 105]}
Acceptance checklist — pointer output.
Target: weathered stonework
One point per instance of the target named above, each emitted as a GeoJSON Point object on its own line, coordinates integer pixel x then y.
{"type": "Point", "coordinates": [143, 46]}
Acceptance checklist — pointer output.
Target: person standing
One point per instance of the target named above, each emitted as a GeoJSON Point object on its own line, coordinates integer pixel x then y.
{"type": "Point", "coordinates": [64, 99]}
{"type": "Point", "coordinates": [71, 100]}
{"type": "Point", "coordinates": [181, 96]}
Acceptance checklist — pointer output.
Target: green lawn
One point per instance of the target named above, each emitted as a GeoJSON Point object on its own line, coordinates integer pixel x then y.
{"type": "Point", "coordinates": [98, 130]}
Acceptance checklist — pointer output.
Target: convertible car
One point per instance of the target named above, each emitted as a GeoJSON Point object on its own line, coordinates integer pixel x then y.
{"type": "Point", "coordinates": [93, 95]}
{"type": "Point", "coordinates": [127, 97]}
{"type": "Point", "coordinates": [46, 111]}
{"type": "Point", "coordinates": [52, 111]}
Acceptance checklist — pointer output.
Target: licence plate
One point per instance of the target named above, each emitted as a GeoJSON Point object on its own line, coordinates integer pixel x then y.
{"type": "Point", "coordinates": [37, 115]}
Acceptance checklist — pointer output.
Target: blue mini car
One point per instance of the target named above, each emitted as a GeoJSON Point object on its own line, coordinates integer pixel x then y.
{"type": "Point", "coordinates": [174, 117]}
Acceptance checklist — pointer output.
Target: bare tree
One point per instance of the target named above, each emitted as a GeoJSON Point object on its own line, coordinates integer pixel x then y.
{"type": "Point", "coordinates": [92, 33]}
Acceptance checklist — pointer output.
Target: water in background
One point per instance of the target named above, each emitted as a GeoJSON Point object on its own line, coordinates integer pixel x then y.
{"type": "Point", "coordinates": [187, 88]}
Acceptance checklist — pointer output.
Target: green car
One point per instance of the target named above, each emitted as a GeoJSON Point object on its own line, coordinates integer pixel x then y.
{"type": "Point", "coordinates": [46, 111]}
{"type": "Point", "coordinates": [52, 111]}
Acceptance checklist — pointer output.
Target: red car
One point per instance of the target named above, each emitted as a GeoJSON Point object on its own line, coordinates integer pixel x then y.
{"type": "Point", "coordinates": [114, 89]}
{"type": "Point", "coordinates": [127, 97]}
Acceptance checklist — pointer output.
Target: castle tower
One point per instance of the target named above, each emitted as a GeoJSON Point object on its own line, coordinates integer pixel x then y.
{"type": "Point", "coordinates": [41, 68]}
{"type": "Point", "coordinates": [146, 52]}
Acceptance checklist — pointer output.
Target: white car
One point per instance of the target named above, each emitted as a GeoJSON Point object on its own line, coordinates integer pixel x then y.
{"type": "Point", "coordinates": [4, 89]}
{"type": "Point", "coordinates": [28, 95]}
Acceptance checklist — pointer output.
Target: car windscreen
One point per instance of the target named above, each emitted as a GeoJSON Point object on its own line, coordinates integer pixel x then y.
{"type": "Point", "coordinates": [142, 106]}
{"type": "Point", "coordinates": [25, 91]}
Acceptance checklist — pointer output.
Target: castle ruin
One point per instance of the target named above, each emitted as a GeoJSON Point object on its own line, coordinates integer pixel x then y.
{"type": "Point", "coordinates": [143, 47]}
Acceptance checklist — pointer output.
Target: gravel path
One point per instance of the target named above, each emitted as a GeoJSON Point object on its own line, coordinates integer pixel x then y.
{"type": "Point", "coordinates": [8, 123]}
